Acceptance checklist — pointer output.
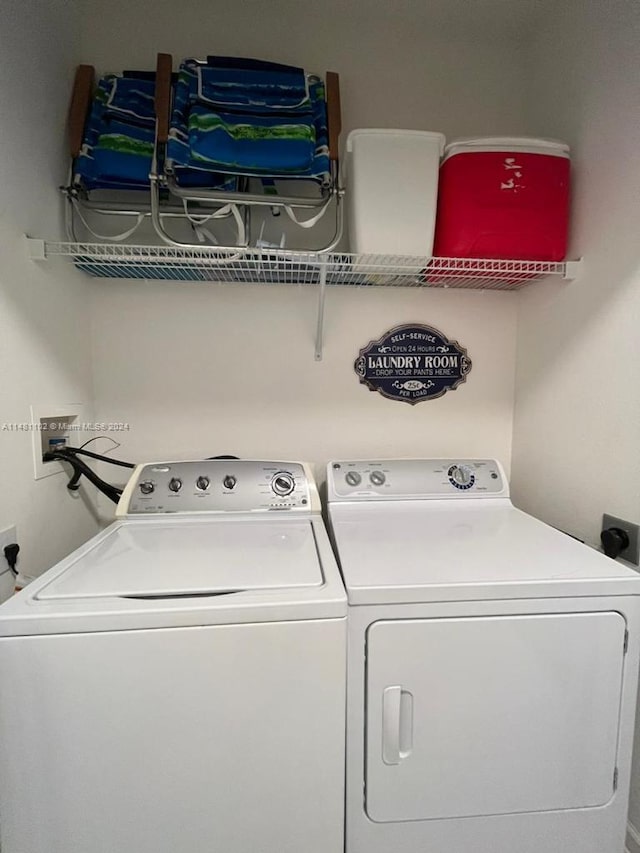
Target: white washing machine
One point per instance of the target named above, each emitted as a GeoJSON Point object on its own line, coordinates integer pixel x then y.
{"type": "Point", "coordinates": [177, 685]}
{"type": "Point", "coordinates": [492, 667]}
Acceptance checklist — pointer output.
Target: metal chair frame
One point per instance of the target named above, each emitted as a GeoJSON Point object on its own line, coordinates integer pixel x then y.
{"type": "Point", "coordinates": [167, 200]}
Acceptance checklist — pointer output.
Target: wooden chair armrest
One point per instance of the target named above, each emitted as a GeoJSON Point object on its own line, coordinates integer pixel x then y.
{"type": "Point", "coordinates": [79, 107]}
{"type": "Point", "coordinates": [334, 113]}
{"type": "Point", "coordinates": [164, 68]}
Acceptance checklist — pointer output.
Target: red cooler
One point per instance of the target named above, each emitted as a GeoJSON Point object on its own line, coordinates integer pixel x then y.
{"type": "Point", "coordinates": [504, 198]}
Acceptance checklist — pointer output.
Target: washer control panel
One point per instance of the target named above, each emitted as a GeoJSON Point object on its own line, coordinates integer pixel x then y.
{"type": "Point", "coordinates": [397, 479]}
{"type": "Point", "coordinates": [217, 485]}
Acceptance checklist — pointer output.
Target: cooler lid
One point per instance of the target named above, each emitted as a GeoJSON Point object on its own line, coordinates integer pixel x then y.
{"type": "Point", "coordinates": [421, 551]}
{"type": "Point", "coordinates": [167, 559]}
{"type": "Point", "coordinates": [388, 135]}
{"type": "Point", "coordinates": [521, 144]}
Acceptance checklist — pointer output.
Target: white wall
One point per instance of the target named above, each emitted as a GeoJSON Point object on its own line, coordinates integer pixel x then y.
{"type": "Point", "coordinates": [576, 450]}
{"type": "Point", "coordinates": [578, 345]}
{"type": "Point", "coordinates": [207, 369]}
{"type": "Point", "coordinates": [398, 67]}
{"type": "Point", "coordinates": [202, 370]}
{"type": "Point", "coordinates": [44, 334]}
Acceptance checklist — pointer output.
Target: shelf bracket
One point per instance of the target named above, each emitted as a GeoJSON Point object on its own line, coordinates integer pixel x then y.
{"type": "Point", "coordinates": [572, 270]}
{"type": "Point", "coordinates": [36, 249]}
{"type": "Point", "coordinates": [321, 299]}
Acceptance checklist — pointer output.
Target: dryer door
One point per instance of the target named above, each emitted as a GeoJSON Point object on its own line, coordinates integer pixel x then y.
{"type": "Point", "coordinates": [492, 715]}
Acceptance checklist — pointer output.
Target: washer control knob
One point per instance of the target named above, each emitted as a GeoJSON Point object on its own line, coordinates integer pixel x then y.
{"type": "Point", "coordinates": [377, 478]}
{"type": "Point", "coordinates": [175, 484]}
{"type": "Point", "coordinates": [202, 483]}
{"type": "Point", "coordinates": [147, 487]}
{"type": "Point", "coordinates": [353, 478]}
{"type": "Point", "coordinates": [283, 484]}
{"type": "Point", "coordinates": [229, 482]}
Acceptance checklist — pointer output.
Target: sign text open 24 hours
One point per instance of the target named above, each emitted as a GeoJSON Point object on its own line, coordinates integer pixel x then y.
{"type": "Point", "coordinates": [412, 363]}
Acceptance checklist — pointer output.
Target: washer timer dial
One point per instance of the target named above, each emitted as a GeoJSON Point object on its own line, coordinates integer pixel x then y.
{"type": "Point", "coordinates": [283, 484]}
{"type": "Point", "coordinates": [461, 476]}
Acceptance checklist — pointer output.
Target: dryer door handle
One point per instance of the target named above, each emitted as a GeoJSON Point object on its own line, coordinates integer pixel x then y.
{"type": "Point", "coordinates": [397, 724]}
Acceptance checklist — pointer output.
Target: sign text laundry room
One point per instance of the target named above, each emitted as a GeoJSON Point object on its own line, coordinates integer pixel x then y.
{"type": "Point", "coordinates": [412, 363]}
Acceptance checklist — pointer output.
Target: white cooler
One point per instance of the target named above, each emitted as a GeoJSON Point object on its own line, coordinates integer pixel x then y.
{"type": "Point", "coordinates": [392, 190]}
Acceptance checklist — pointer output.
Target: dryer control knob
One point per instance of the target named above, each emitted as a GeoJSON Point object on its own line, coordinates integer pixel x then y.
{"type": "Point", "coordinates": [283, 484]}
{"type": "Point", "coordinates": [461, 477]}
{"type": "Point", "coordinates": [202, 483]}
{"type": "Point", "coordinates": [175, 484]}
{"type": "Point", "coordinates": [229, 482]}
{"type": "Point", "coordinates": [353, 478]}
{"type": "Point", "coordinates": [377, 478]}
{"type": "Point", "coordinates": [147, 487]}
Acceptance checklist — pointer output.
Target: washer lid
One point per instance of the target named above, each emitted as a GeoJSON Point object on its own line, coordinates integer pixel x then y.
{"type": "Point", "coordinates": [422, 551]}
{"type": "Point", "coordinates": [148, 559]}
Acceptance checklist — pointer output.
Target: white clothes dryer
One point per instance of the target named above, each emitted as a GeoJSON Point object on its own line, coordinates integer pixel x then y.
{"type": "Point", "coordinates": [492, 667]}
{"type": "Point", "coordinates": [178, 682]}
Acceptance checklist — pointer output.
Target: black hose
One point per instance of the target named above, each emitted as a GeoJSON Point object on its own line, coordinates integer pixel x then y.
{"type": "Point", "coordinates": [80, 468]}
{"type": "Point", "coordinates": [99, 456]}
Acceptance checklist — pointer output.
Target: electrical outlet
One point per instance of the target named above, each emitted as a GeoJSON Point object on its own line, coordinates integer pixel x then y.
{"type": "Point", "coordinates": [632, 552]}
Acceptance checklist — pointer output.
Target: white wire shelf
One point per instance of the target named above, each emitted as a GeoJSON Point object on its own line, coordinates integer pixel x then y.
{"type": "Point", "coordinates": [253, 266]}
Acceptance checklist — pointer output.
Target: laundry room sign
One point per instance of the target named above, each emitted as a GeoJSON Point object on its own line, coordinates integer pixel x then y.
{"type": "Point", "coordinates": [412, 363]}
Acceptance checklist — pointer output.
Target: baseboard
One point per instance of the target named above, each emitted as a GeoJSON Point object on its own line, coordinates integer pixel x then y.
{"type": "Point", "coordinates": [633, 839]}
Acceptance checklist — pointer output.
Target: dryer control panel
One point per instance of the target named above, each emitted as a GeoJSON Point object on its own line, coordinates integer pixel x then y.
{"type": "Point", "coordinates": [415, 479]}
{"type": "Point", "coordinates": [218, 485]}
